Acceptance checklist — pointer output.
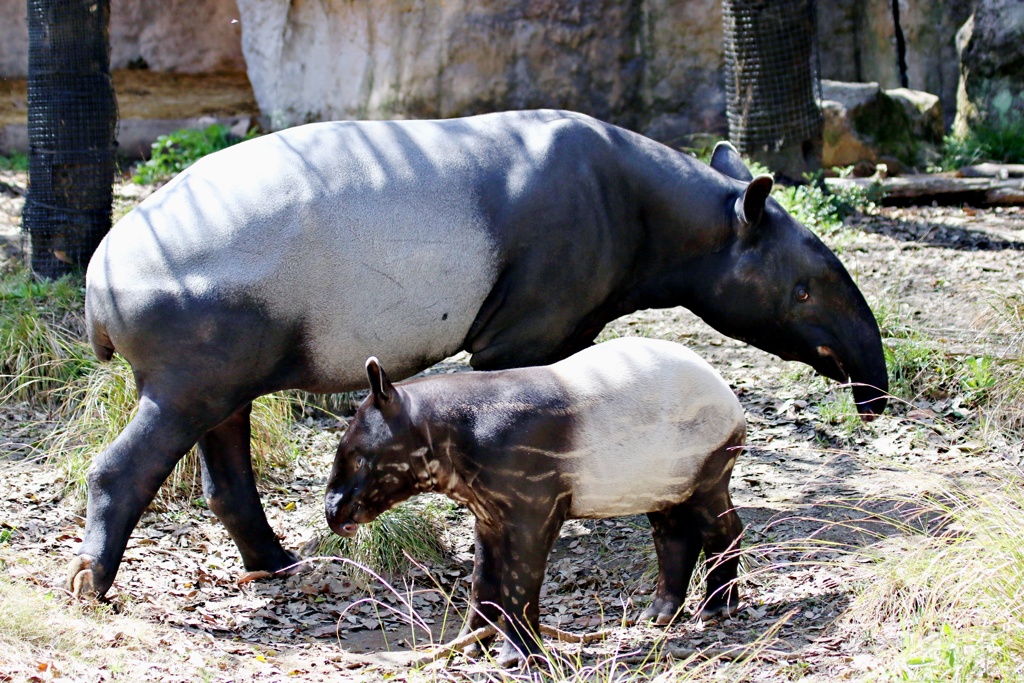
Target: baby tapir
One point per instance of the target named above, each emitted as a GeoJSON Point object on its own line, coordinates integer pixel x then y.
{"type": "Point", "coordinates": [625, 427]}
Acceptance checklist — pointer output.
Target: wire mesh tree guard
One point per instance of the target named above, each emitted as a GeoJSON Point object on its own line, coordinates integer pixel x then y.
{"type": "Point", "coordinates": [772, 81]}
{"type": "Point", "coordinates": [72, 121]}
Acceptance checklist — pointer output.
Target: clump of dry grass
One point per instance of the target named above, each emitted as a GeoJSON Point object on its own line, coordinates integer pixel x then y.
{"type": "Point", "coordinates": [47, 638]}
{"type": "Point", "coordinates": [954, 589]}
{"type": "Point", "coordinates": [40, 325]}
{"type": "Point", "coordinates": [99, 406]}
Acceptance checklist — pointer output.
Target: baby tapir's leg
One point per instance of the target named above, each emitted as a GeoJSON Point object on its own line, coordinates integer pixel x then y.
{"type": "Point", "coordinates": [527, 543]}
{"type": "Point", "coordinates": [485, 596]}
{"type": "Point", "coordinates": [720, 529]}
{"type": "Point", "coordinates": [677, 542]}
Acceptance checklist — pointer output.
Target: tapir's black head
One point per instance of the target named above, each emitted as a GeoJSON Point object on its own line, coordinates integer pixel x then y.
{"type": "Point", "coordinates": [778, 287]}
{"type": "Point", "coordinates": [381, 460]}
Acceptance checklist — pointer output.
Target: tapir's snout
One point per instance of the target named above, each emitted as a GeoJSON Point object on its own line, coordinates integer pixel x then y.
{"type": "Point", "coordinates": [852, 353]}
{"type": "Point", "coordinates": [870, 387]}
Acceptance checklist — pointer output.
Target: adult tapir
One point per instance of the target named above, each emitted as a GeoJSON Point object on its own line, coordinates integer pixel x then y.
{"type": "Point", "coordinates": [285, 261]}
{"type": "Point", "coordinates": [626, 427]}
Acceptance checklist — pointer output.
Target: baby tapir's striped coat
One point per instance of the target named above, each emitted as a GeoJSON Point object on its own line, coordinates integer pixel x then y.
{"type": "Point", "coordinates": [625, 427]}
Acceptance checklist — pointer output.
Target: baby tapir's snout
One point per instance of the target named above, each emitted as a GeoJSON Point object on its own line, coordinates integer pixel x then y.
{"type": "Point", "coordinates": [626, 427]}
{"type": "Point", "coordinates": [380, 461]}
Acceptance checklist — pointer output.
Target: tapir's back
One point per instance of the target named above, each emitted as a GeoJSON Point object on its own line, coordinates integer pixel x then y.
{"type": "Point", "coordinates": [650, 416]}
{"type": "Point", "coordinates": [369, 237]}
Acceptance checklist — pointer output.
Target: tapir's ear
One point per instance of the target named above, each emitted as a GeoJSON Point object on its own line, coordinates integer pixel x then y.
{"type": "Point", "coordinates": [751, 209]}
{"type": "Point", "coordinates": [727, 161]}
{"type": "Point", "coordinates": [381, 388]}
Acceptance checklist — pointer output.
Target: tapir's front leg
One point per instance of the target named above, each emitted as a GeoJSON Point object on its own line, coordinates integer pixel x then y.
{"type": "Point", "coordinates": [527, 543]}
{"type": "Point", "coordinates": [123, 480]}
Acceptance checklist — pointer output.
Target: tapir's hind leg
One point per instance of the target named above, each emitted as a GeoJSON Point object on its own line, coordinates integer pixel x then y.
{"type": "Point", "coordinates": [230, 488]}
{"type": "Point", "coordinates": [677, 542]}
{"type": "Point", "coordinates": [720, 529]}
{"type": "Point", "coordinates": [123, 481]}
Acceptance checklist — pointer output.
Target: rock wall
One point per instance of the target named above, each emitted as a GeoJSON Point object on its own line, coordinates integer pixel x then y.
{"type": "Point", "coordinates": [858, 44]}
{"type": "Point", "coordinates": [991, 47]}
{"type": "Point", "coordinates": [189, 36]}
{"type": "Point", "coordinates": [654, 65]}
{"type": "Point", "coordinates": [640, 63]}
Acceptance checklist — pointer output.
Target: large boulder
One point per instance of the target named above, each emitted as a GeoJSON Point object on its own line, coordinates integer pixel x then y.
{"type": "Point", "coordinates": [991, 44]}
{"type": "Point", "coordinates": [651, 65]}
{"type": "Point", "coordinates": [865, 124]}
{"type": "Point", "coordinates": [858, 44]}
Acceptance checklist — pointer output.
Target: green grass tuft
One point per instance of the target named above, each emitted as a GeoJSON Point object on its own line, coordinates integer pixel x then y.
{"type": "Point", "coordinates": [821, 209]}
{"type": "Point", "coordinates": [40, 325]}
{"type": "Point", "coordinates": [415, 528]}
{"type": "Point", "coordinates": [985, 142]}
{"type": "Point", "coordinates": [17, 161]}
{"type": "Point", "coordinates": [174, 152]}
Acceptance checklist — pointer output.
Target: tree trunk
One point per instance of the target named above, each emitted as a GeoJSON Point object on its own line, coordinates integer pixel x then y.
{"type": "Point", "coordinates": [72, 120]}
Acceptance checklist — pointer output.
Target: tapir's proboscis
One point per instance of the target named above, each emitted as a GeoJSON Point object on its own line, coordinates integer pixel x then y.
{"type": "Point", "coordinates": [285, 261]}
{"type": "Point", "coordinates": [626, 427]}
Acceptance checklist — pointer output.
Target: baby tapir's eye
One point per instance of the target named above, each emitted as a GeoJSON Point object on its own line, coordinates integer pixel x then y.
{"type": "Point", "coordinates": [802, 294]}
{"type": "Point", "coordinates": [360, 462]}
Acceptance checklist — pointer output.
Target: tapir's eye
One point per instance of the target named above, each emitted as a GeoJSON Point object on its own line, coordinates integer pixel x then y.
{"type": "Point", "coordinates": [802, 294]}
{"type": "Point", "coordinates": [360, 462]}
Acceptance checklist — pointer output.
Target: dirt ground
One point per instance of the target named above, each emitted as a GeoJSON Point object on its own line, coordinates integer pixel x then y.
{"type": "Point", "coordinates": [144, 94]}
{"type": "Point", "coordinates": [179, 613]}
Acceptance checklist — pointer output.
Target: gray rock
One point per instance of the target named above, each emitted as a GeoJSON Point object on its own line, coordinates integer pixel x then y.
{"type": "Point", "coordinates": [866, 124]}
{"type": "Point", "coordinates": [991, 44]}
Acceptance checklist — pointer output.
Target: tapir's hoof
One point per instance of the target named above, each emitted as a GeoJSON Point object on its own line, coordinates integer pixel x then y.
{"type": "Point", "coordinates": [80, 578]}
{"type": "Point", "coordinates": [661, 613]}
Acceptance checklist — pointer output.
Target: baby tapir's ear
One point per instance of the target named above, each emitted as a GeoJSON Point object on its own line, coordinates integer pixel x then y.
{"type": "Point", "coordinates": [384, 394]}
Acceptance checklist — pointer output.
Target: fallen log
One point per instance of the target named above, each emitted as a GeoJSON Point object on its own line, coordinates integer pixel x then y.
{"type": "Point", "coordinates": [945, 189]}
{"type": "Point", "coordinates": [989, 170]}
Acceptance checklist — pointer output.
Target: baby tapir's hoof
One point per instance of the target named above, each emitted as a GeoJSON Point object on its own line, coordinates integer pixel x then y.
{"type": "Point", "coordinates": [662, 612]}
{"type": "Point", "coordinates": [721, 606]}
{"type": "Point", "coordinates": [510, 657]}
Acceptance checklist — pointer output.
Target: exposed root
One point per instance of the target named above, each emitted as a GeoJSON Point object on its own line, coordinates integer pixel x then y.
{"type": "Point", "coordinates": [454, 646]}
{"type": "Point", "coordinates": [566, 637]}
{"type": "Point", "coordinates": [484, 632]}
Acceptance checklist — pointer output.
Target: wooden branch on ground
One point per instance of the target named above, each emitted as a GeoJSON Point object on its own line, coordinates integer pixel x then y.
{"type": "Point", "coordinates": [454, 646]}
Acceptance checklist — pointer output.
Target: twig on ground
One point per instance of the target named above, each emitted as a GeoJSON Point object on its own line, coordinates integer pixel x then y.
{"type": "Point", "coordinates": [725, 654]}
